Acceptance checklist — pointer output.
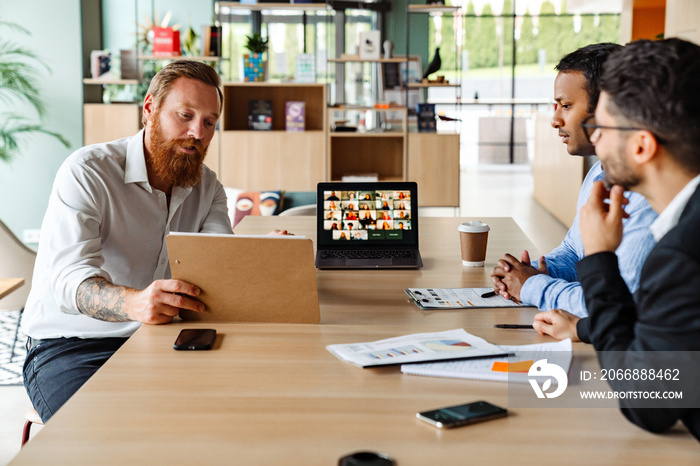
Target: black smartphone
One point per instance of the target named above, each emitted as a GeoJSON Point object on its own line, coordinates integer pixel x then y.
{"type": "Point", "coordinates": [462, 415]}
{"type": "Point", "coordinates": [195, 339]}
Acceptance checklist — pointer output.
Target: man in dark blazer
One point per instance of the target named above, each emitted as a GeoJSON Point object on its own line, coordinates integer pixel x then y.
{"type": "Point", "coordinates": [647, 136]}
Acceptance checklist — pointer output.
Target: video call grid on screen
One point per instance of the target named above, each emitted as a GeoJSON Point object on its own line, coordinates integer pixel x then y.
{"type": "Point", "coordinates": [367, 215]}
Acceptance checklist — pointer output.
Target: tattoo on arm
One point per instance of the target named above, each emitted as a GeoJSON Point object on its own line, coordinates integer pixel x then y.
{"type": "Point", "coordinates": [102, 300]}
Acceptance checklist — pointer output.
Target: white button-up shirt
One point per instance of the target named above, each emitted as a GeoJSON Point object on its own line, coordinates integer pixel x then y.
{"type": "Point", "coordinates": [669, 218]}
{"type": "Point", "coordinates": [105, 220]}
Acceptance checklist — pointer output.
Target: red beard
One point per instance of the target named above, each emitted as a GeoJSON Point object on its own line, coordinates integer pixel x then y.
{"type": "Point", "coordinates": [169, 164]}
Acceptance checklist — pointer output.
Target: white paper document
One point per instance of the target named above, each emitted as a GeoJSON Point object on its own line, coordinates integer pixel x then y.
{"type": "Point", "coordinates": [419, 347]}
{"type": "Point", "coordinates": [456, 298]}
{"type": "Point", "coordinates": [559, 353]}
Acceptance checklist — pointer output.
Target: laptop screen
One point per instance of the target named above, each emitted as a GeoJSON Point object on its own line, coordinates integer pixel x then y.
{"type": "Point", "coordinates": [368, 215]}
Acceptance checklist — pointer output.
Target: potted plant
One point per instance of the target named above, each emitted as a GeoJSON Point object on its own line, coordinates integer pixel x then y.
{"type": "Point", "coordinates": [254, 63]}
{"type": "Point", "coordinates": [19, 78]}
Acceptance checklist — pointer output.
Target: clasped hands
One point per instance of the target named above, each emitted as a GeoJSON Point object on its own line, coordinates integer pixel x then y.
{"type": "Point", "coordinates": [601, 231]}
{"type": "Point", "coordinates": [510, 274]}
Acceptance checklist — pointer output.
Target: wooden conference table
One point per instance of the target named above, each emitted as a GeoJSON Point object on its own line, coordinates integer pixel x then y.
{"type": "Point", "coordinates": [8, 285]}
{"type": "Point", "coordinates": [272, 394]}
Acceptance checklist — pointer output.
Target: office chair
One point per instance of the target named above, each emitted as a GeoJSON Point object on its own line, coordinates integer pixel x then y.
{"type": "Point", "coordinates": [17, 261]}
{"type": "Point", "coordinates": [32, 417]}
{"type": "Point", "coordinates": [309, 209]}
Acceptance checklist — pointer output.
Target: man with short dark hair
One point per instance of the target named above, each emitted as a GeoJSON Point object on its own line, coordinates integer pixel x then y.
{"type": "Point", "coordinates": [552, 282]}
{"type": "Point", "coordinates": [647, 136]}
{"type": "Point", "coordinates": [102, 266]}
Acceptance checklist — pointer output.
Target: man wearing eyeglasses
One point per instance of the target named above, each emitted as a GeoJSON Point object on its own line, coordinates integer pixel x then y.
{"type": "Point", "coordinates": [647, 135]}
{"type": "Point", "coordinates": [552, 282]}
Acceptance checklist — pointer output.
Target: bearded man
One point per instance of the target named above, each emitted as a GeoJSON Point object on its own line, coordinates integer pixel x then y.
{"type": "Point", "coordinates": [102, 267]}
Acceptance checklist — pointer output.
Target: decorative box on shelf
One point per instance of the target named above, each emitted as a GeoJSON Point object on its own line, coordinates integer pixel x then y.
{"type": "Point", "coordinates": [253, 67]}
{"type": "Point", "coordinates": [166, 42]}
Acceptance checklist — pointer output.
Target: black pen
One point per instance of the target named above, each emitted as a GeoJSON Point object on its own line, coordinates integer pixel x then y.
{"type": "Point", "coordinates": [488, 294]}
{"type": "Point", "coordinates": [512, 326]}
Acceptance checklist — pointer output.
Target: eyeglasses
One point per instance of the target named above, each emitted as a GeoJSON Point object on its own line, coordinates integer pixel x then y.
{"type": "Point", "coordinates": [590, 128]}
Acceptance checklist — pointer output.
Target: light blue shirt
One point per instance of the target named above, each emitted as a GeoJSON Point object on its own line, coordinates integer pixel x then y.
{"type": "Point", "coordinates": [561, 288]}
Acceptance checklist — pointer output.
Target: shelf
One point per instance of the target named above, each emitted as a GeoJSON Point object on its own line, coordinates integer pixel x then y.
{"type": "Point", "coordinates": [237, 97]}
{"type": "Point", "coordinates": [349, 134]}
{"type": "Point", "coordinates": [273, 6]}
{"type": "Point", "coordinates": [366, 109]}
{"type": "Point", "coordinates": [424, 85]}
{"type": "Point", "coordinates": [177, 57]}
{"type": "Point", "coordinates": [273, 131]}
{"type": "Point", "coordinates": [357, 59]}
{"type": "Point", "coordinates": [432, 9]}
{"type": "Point", "coordinates": [381, 178]}
{"type": "Point", "coordinates": [123, 82]}
{"type": "Point", "coordinates": [270, 84]}
{"type": "Point", "coordinates": [434, 133]}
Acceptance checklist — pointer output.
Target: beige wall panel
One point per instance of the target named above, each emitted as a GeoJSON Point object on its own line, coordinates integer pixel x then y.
{"type": "Point", "coordinates": [107, 122]}
{"type": "Point", "coordinates": [433, 163]}
{"type": "Point", "coordinates": [557, 175]}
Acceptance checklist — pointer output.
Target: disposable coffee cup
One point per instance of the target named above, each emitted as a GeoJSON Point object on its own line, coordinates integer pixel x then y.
{"type": "Point", "coordinates": [473, 237]}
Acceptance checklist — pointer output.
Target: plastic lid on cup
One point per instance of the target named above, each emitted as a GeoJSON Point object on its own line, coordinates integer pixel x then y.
{"type": "Point", "coordinates": [474, 226]}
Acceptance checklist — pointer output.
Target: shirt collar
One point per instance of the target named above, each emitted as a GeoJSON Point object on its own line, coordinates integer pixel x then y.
{"type": "Point", "coordinates": [672, 213]}
{"type": "Point", "coordinates": [135, 169]}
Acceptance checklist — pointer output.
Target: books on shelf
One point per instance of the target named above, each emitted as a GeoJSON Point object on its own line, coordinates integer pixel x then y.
{"type": "Point", "coordinates": [426, 118]}
{"type": "Point", "coordinates": [129, 64]}
{"type": "Point", "coordinates": [363, 178]}
{"type": "Point", "coordinates": [419, 347]}
{"type": "Point", "coordinates": [295, 116]}
{"type": "Point", "coordinates": [513, 368]}
{"type": "Point", "coordinates": [305, 68]}
{"type": "Point", "coordinates": [456, 298]}
{"type": "Point", "coordinates": [260, 115]}
{"type": "Point", "coordinates": [101, 64]}
{"type": "Point", "coordinates": [211, 41]}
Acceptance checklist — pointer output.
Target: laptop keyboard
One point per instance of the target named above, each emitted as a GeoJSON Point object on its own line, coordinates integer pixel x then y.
{"type": "Point", "coordinates": [379, 254]}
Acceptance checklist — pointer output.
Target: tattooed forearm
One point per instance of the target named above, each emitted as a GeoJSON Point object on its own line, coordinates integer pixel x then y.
{"type": "Point", "coordinates": [100, 299]}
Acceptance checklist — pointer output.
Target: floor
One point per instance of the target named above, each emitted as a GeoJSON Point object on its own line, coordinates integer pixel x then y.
{"type": "Point", "coordinates": [486, 191]}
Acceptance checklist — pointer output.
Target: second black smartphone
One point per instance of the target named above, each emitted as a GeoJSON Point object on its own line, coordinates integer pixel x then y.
{"type": "Point", "coordinates": [195, 339]}
{"type": "Point", "coordinates": [461, 415]}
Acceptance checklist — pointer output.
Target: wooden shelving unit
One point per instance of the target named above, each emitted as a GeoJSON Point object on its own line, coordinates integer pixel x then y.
{"type": "Point", "coordinates": [272, 6]}
{"type": "Point", "coordinates": [377, 151]}
{"type": "Point", "coordinates": [177, 57]}
{"type": "Point", "coordinates": [433, 158]}
{"type": "Point", "coordinates": [276, 159]}
{"type": "Point", "coordinates": [432, 9]}
{"type": "Point", "coordinates": [122, 82]}
{"type": "Point", "coordinates": [357, 59]}
{"type": "Point", "coordinates": [426, 85]}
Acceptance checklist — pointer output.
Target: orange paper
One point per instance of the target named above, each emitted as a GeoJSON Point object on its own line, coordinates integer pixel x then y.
{"type": "Point", "coordinates": [517, 366]}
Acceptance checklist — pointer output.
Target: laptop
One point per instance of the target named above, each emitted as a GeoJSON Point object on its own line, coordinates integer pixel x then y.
{"type": "Point", "coordinates": [367, 225]}
{"type": "Point", "coordinates": [247, 278]}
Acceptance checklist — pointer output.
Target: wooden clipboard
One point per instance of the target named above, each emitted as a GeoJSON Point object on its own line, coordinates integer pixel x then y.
{"type": "Point", "coordinates": [247, 279]}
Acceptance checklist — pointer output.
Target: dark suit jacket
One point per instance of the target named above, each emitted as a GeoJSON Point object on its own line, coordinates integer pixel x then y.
{"type": "Point", "coordinates": [663, 317]}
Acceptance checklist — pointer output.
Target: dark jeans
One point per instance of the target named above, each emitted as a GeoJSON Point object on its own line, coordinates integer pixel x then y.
{"type": "Point", "coordinates": [55, 369]}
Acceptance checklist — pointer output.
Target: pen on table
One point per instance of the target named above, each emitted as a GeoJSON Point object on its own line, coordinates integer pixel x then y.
{"type": "Point", "coordinates": [512, 326]}
{"type": "Point", "coordinates": [488, 294]}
